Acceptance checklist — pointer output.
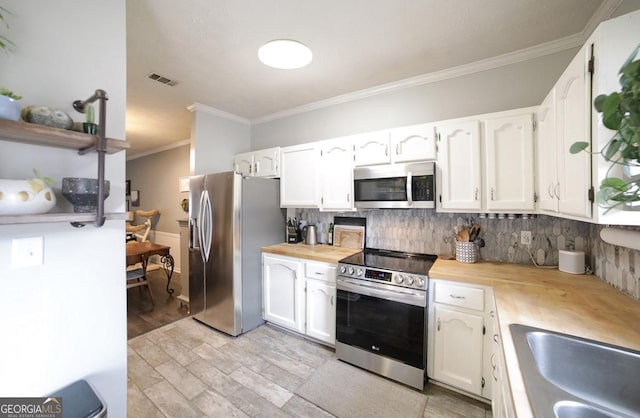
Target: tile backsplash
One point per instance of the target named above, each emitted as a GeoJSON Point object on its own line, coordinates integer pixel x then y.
{"type": "Point", "coordinates": [427, 231]}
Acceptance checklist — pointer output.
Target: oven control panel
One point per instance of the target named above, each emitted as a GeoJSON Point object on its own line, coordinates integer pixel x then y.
{"type": "Point", "coordinates": [414, 281]}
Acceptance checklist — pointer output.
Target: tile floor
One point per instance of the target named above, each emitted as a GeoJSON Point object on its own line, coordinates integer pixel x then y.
{"type": "Point", "coordinates": [188, 370]}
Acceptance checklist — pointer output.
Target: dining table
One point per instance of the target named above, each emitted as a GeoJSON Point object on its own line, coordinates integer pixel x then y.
{"type": "Point", "coordinates": [140, 252]}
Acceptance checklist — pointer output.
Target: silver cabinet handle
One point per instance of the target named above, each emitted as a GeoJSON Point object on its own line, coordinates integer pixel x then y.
{"type": "Point", "coordinates": [550, 191]}
{"type": "Point", "coordinates": [331, 300]}
{"type": "Point", "coordinates": [386, 150]}
{"type": "Point", "coordinates": [397, 149]}
{"type": "Point", "coordinates": [492, 314]}
{"type": "Point", "coordinates": [495, 338]}
{"type": "Point", "coordinates": [555, 190]}
{"type": "Point", "coordinates": [457, 297]}
{"type": "Point", "coordinates": [494, 367]}
{"type": "Point", "coordinates": [476, 193]}
{"type": "Point", "coordinates": [492, 193]}
{"type": "Point", "coordinates": [439, 323]}
{"type": "Point", "coordinates": [257, 167]}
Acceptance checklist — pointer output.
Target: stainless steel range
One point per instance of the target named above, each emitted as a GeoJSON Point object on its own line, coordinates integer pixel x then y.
{"type": "Point", "coordinates": [381, 313]}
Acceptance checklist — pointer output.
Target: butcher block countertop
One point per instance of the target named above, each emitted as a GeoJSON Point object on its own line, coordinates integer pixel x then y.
{"type": "Point", "coordinates": [318, 252]}
{"type": "Point", "coordinates": [580, 305]}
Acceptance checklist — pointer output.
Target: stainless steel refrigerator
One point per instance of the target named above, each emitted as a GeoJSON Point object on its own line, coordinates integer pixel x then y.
{"type": "Point", "coordinates": [230, 219]}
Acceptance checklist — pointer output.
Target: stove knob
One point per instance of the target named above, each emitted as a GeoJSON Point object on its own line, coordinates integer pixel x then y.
{"type": "Point", "coordinates": [399, 278]}
{"type": "Point", "coordinates": [360, 272]}
{"type": "Point", "coordinates": [351, 271]}
{"type": "Point", "coordinates": [420, 282]}
{"type": "Point", "coordinates": [343, 269]}
{"type": "Point", "coordinates": [410, 280]}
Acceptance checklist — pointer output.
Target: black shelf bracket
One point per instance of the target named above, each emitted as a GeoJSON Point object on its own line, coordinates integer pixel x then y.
{"type": "Point", "coordinates": [100, 147]}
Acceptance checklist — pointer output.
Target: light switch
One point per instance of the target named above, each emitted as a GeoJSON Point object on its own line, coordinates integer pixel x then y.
{"type": "Point", "coordinates": [27, 252]}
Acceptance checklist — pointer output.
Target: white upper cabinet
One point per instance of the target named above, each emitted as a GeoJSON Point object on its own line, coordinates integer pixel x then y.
{"type": "Point", "coordinates": [573, 115]}
{"type": "Point", "coordinates": [413, 143]}
{"type": "Point", "coordinates": [509, 163]}
{"type": "Point", "coordinates": [299, 176]}
{"type": "Point", "coordinates": [371, 148]}
{"type": "Point", "coordinates": [261, 163]}
{"type": "Point", "coordinates": [243, 164]}
{"type": "Point", "coordinates": [336, 168]}
{"type": "Point", "coordinates": [459, 170]}
{"type": "Point", "coordinates": [266, 162]}
{"type": "Point", "coordinates": [546, 154]}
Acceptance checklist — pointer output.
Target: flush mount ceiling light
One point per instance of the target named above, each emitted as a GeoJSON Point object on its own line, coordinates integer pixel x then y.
{"type": "Point", "coordinates": [285, 54]}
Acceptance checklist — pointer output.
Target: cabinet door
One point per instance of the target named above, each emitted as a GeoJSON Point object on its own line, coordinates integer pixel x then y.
{"type": "Point", "coordinates": [321, 311]}
{"type": "Point", "coordinates": [372, 148]}
{"type": "Point", "coordinates": [336, 166]}
{"type": "Point", "coordinates": [298, 177]}
{"type": "Point", "coordinates": [573, 116]}
{"type": "Point", "coordinates": [546, 154]}
{"type": "Point", "coordinates": [243, 164]}
{"type": "Point", "coordinates": [459, 166]}
{"type": "Point", "coordinates": [458, 349]}
{"type": "Point", "coordinates": [266, 162]}
{"type": "Point", "coordinates": [283, 292]}
{"type": "Point", "coordinates": [413, 143]}
{"type": "Point", "coordinates": [509, 163]}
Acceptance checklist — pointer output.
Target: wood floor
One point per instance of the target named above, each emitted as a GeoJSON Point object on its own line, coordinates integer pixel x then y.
{"type": "Point", "coordinates": [142, 315]}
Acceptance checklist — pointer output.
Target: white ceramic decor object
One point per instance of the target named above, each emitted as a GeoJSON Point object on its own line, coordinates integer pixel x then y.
{"type": "Point", "coordinates": [25, 197]}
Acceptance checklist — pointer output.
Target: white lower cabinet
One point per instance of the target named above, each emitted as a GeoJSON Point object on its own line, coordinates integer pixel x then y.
{"type": "Point", "coordinates": [501, 400]}
{"type": "Point", "coordinates": [283, 291]}
{"type": "Point", "coordinates": [300, 295]}
{"type": "Point", "coordinates": [459, 345]}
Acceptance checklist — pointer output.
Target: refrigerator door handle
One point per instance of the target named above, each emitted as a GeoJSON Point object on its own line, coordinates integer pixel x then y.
{"type": "Point", "coordinates": [202, 226]}
{"type": "Point", "coordinates": [207, 220]}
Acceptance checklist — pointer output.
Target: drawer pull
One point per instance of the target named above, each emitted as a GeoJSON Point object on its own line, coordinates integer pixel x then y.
{"type": "Point", "coordinates": [457, 297]}
{"type": "Point", "coordinates": [495, 338]}
{"type": "Point", "coordinates": [317, 272]}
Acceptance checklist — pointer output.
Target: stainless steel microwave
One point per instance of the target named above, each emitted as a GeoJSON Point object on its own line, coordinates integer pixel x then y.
{"type": "Point", "coordinates": [395, 186]}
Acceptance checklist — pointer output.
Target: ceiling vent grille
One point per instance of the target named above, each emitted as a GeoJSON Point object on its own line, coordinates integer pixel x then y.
{"type": "Point", "coordinates": [162, 79]}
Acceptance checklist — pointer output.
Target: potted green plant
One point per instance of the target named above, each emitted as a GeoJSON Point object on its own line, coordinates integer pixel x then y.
{"type": "Point", "coordinates": [620, 113]}
{"type": "Point", "coordinates": [90, 126]}
{"type": "Point", "coordinates": [9, 106]}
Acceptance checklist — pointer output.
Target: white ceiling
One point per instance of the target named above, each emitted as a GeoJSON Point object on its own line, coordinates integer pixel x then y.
{"type": "Point", "coordinates": [210, 48]}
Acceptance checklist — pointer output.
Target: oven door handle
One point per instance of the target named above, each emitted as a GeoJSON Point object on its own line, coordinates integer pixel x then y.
{"type": "Point", "coordinates": [401, 296]}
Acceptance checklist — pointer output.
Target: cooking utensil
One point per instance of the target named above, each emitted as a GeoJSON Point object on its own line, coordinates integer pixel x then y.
{"type": "Point", "coordinates": [464, 234]}
{"type": "Point", "coordinates": [474, 232]}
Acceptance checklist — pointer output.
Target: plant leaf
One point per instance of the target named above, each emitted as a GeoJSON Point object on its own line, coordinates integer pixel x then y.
{"type": "Point", "coordinates": [579, 146]}
{"type": "Point", "coordinates": [598, 102]}
{"type": "Point", "coordinates": [631, 57]}
{"type": "Point", "coordinates": [611, 149]}
{"type": "Point", "coordinates": [611, 117]}
{"type": "Point", "coordinates": [614, 183]}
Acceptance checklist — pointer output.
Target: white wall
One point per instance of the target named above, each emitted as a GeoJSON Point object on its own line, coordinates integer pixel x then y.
{"type": "Point", "coordinates": [508, 87]}
{"type": "Point", "coordinates": [156, 177]}
{"type": "Point", "coordinates": [215, 140]}
{"type": "Point", "coordinates": [66, 320]}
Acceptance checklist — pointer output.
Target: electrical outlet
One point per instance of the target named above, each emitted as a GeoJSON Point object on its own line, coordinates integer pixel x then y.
{"type": "Point", "coordinates": [525, 238]}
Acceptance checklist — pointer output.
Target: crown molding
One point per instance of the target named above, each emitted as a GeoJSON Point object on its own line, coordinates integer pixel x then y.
{"type": "Point", "coordinates": [533, 52]}
{"type": "Point", "coordinates": [217, 112]}
{"type": "Point", "coordinates": [604, 12]}
{"type": "Point", "coordinates": [167, 147]}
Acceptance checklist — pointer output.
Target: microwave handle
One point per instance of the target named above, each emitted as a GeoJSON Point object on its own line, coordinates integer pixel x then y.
{"type": "Point", "coordinates": [409, 196]}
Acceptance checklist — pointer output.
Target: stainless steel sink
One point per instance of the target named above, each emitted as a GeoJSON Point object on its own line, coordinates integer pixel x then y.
{"type": "Point", "coordinates": [569, 377]}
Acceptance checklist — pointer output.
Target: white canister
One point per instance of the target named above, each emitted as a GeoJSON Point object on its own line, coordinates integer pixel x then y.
{"type": "Point", "coordinates": [571, 261]}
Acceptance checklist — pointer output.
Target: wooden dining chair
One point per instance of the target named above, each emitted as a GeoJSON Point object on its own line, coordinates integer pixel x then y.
{"type": "Point", "coordinates": [138, 277]}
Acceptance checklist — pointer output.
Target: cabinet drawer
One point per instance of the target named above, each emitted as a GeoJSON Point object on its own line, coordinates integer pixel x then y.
{"type": "Point", "coordinates": [463, 296]}
{"type": "Point", "coordinates": [320, 271]}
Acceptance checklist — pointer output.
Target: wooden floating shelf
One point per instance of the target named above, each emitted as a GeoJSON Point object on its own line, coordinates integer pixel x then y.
{"type": "Point", "coordinates": [59, 217]}
{"type": "Point", "coordinates": [30, 133]}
